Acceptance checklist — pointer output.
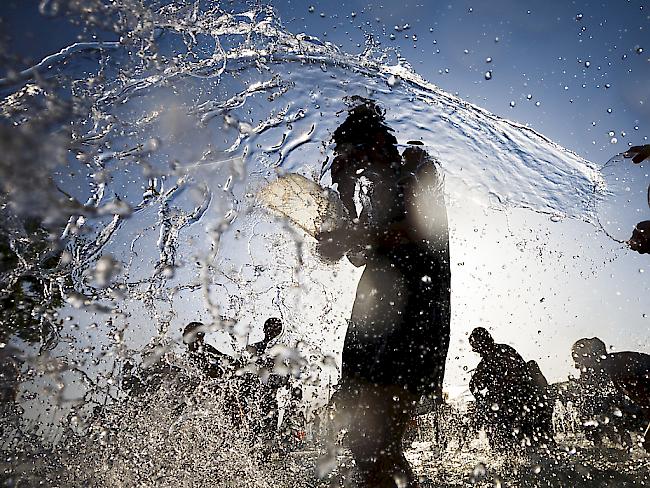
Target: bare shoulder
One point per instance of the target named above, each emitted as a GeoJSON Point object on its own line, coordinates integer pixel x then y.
{"type": "Point", "coordinates": [624, 363]}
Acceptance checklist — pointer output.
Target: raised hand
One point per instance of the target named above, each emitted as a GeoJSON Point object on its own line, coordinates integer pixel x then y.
{"type": "Point", "coordinates": [638, 153]}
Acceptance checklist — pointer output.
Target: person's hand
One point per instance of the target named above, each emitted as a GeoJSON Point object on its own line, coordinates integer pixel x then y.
{"type": "Point", "coordinates": [640, 240]}
{"type": "Point", "coordinates": [638, 153]}
{"type": "Point", "coordinates": [332, 245]}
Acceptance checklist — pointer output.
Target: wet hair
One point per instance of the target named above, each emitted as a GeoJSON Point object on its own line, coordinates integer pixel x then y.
{"type": "Point", "coordinates": [193, 332]}
{"type": "Point", "coordinates": [272, 328]}
{"type": "Point", "coordinates": [365, 125]}
{"type": "Point", "coordinates": [480, 335]}
{"type": "Point", "coordinates": [588, 350]}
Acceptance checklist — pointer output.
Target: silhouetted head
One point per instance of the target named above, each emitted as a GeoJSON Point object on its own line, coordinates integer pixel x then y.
{"type": "Point", "coordinates": [272, 329]}
{"type": "Point", "coordinates": [193, 333]}
{"type": "Point", "coordinates": [481, 340]}
{"type": "Point", "coordinates": [587, 353]}
{"type": "Point", "coordinates": [365, 133]}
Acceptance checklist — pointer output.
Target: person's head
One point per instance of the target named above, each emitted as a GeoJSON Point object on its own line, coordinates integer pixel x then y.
{"type": "Point", "coordinates": [481, 340]}
{"type": "Point", "coordinates": [364, 133]}
{"type": "Point", "coordinates": [193, 334]}
{"type": "Point", "coordinates": [587, 353]}
{"type": "Point", "coordinates": [272, 329]}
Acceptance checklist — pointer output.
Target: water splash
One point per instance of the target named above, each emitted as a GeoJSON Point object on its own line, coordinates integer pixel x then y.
{"type": "Point", "coordinates": [138, 161]}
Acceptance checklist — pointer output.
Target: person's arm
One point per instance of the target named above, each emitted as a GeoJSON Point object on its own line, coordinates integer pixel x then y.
{"type": "Point", "coordinates": [638, 153]}
{"type": "Point", "coordinates": [640, 240]}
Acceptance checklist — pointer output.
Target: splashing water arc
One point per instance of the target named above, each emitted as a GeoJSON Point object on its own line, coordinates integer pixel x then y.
{"type": "Point", "coordinates": [162, 143]}
{"type": "Point", "coordinates": [168, 155]}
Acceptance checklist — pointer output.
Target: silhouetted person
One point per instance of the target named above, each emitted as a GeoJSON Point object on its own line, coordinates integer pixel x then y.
{"type": "Point", "coordinates": [504, 391]}
{"type": "Point", "coordinates": [204, 356]}
{"type": "Point", "coordinates": [640, 240]}
{"type": "Point", "coordinates": [214, 363]}
{"type": "Point", "coordinates": [628, 371]}
{"type": "Point", "coordinates": [272, 330]}
{"type": "Point", "coordinates": [398, 335]}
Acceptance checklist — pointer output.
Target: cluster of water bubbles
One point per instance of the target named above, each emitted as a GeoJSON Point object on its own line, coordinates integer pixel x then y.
{"type": "Point", "coordinates": [128, 209]}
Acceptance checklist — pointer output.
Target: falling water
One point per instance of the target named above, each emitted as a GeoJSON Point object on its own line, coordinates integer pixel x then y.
{"type": "Point", "coordinates": [129, 182]}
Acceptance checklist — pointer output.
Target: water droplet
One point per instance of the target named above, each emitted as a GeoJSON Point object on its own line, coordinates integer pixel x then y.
{"type": "Point", "coordinates": [611, 133]}
{"type": "Point", "coordinates": [488, 75]}
{"type": "Point", "coordinates": [414, 37]}
{"type": "Point", "coordinates": [311, 9]}
{"type": "Point", "coordinates": [579, 17]}
{"type": "Point", "coordinates": [470, 10]}
{"type": "Point", "coordinates": [105, 268]}
{"type": "Point", "coordinates": [529, 97]}
{"type": "Point", "coordinates": [488, 59]}
{"type": "Point", "coordinates": [638, 49]}
{"type": "Point", "coordinates": [392, 37]}
{"type": "Point", "coordinates": [496, 39]}
{"type": "Point", "coordinates": [426, 279]}
{"type": "Point", "coordinates": [538, 103]}
{"type": "Point", "coordinates": [322, 14]}
{"type": "Point", "coordinates": [466, 51]}
{"type": "Point", "coordinates": [512, 103]}
{"type": "Point", "coordinates": [587, 64]}
{"type": "Point", "coordinates": [607, 85]}
{"type": "Point", "coordinates": [613, 140]}
{"type": "Point", "coordinates": [353, 14]}
{"type": "Point", "coordinates": [609, 110]}
{"type": "Point", "coordinates": [400, 480]}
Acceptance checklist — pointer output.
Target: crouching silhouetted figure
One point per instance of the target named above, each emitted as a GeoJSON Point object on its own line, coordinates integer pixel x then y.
{"type": "Point", "coordinates": [628, 371]}
{"type": "Point", "coordinates": [398, 335]}
{"type": "Point", "coordinates": [513, 408]}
